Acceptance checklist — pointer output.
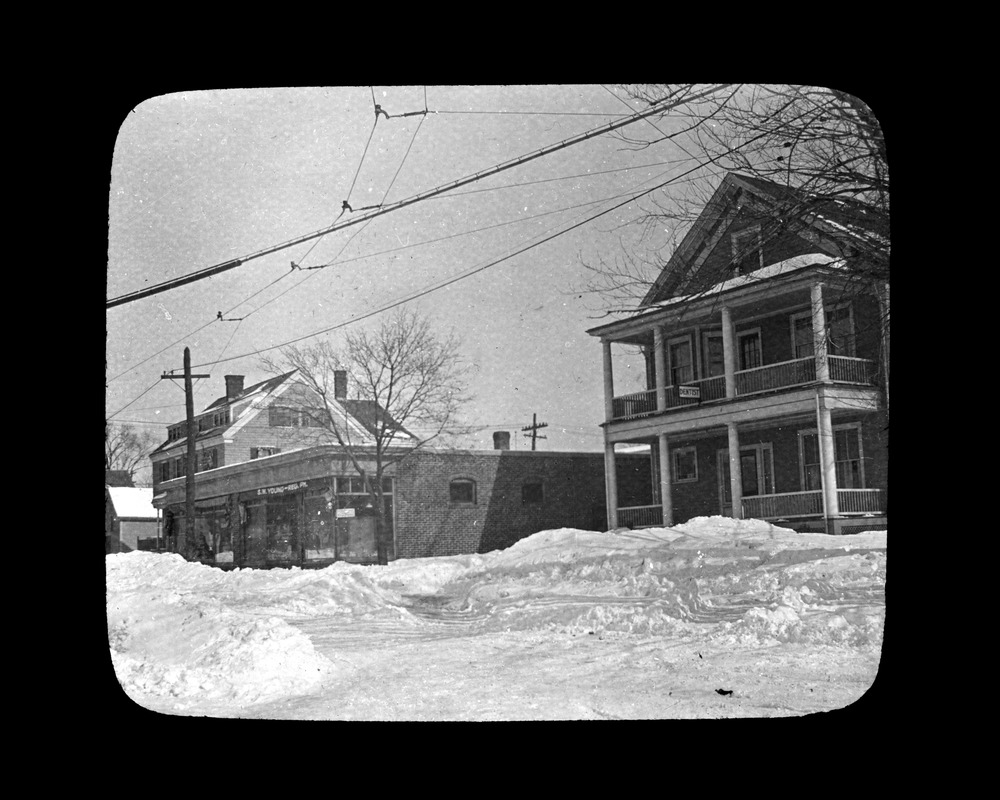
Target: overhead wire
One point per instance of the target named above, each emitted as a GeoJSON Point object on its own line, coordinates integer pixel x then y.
{"type": "Point", "coordinates": [518, 161]}
{"type": "Point", "coordinates": [500, 260]}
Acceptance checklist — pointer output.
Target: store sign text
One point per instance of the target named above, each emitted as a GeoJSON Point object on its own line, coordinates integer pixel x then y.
{"type": "Point", "coordinates": [288, 487]}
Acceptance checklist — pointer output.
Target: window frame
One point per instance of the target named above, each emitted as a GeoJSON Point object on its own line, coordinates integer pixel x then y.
{"type": "Point", "coordinates": [463, 480]}
{"type": "Point", "coordinates": [835, 429]}
{"type": "Point", "coordinates": [686, 339]}
{"type": "Point", "coordinates": [675, 453]}
{"type": "Point", "coordinates": [740, 258]}
{"type": "Point", "coordinates": [851, 349]}
{"type": "Point", "coordinates": [746, 334]}
{"type": "Point", "coordinates": [541, 490]}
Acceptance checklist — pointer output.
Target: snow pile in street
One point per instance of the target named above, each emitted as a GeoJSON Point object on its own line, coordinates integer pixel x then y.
{"type": "Point", "coordinates": [185, 635]}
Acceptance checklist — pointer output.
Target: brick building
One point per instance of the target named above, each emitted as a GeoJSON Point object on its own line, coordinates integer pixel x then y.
{"type": "Point", "coordinates": [268, 493]}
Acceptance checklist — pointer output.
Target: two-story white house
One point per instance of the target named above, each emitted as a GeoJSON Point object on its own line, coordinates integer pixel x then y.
{"type": "Point", "coordinates": [766, 353]}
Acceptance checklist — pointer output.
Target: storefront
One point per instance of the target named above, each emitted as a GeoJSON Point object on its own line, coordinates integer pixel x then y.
{"type": "Point", "coordinates": [302, 523]}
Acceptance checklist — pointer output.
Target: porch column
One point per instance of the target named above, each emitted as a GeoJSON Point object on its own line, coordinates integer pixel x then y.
{"type": "Point", "coordinates": [611, 485]}
{"type": "Point", "coordinates": [609, 383]}
{"type": "Point", "coordinates": [819, 334]}
{"type": "Point", "coordinates": [729, 352]}
{"type": "Point", "coordinates": [665, 480]}
{"type": "Point", "coordinates": [735, 471]}
{"type": "Point", "coordinates": [660, 357]}
{"type": "Point", "coordinates": [827, 457]}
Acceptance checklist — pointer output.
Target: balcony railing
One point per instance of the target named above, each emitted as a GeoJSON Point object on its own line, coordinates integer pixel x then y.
{"type": "Point", "coordinates": [637, 404]}
{"type": "Point", "coordinates": [776, 376]}
{"type": "Point", "coordinates": [640, 516]}
{"type": "Point", "coordinates": [810, 504]}
{"type": "Point", "coordinates": [786, 374]}
{"type": "Point", "coordinates": [850, 370]}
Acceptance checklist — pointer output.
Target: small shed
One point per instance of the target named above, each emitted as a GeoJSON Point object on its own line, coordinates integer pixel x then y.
{"type": "Point", "coordinates": [130, 521]}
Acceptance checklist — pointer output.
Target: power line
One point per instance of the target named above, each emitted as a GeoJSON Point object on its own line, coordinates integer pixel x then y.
{"type": "Point", "coordinates": [216, 269]}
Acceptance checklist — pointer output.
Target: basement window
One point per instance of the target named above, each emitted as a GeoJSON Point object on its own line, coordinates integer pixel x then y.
{"type": "Point", "coordinates": [462, 492]}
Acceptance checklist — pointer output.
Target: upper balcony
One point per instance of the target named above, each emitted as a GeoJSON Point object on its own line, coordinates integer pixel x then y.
{"type": "Point", "coordinates": [763, 334]}
{"type": "Point", "coordinates": [758, 380]}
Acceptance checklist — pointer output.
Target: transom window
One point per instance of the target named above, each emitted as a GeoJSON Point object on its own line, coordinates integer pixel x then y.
{"type": "Point", "coordinates": [462, 491]}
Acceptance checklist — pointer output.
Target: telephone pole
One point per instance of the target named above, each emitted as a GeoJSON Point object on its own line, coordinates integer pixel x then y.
{"type": "Point", "coordinates": [185, 542]}
{"type": "Point", "coordinates": [534, 427]}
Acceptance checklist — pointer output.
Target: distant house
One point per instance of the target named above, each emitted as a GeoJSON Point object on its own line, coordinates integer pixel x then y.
{"type": "Point", "coordinates": [767, 370]}
{"type": "Point", "coordinates": [130, 520]}
{"type": "Point", "coordinates": [269, 496]}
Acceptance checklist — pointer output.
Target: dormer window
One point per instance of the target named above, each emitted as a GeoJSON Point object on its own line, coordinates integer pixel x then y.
{"type": "Point", "coordinates": [748, 250]}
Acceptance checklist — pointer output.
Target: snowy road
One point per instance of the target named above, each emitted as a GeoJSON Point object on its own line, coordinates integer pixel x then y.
{"type": "Point", "coordinates": [563, 625]}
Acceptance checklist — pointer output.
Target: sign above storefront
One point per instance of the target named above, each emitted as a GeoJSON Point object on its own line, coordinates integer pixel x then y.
{"type": "Point", "coordinates": [693, 392]}
{"type": "Point", "coordinates": [288, 487]}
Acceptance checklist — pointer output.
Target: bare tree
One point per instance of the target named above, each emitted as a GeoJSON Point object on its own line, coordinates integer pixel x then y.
{"type": "Point", "coordinates": [125, 448]}
{"type": "Point", "coordinates": [406, 388]}
{"type": "Point", "coordinates": [824, 146]}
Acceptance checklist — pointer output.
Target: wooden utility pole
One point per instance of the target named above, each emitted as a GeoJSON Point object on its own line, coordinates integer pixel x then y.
{"type": "Point", "coordinates": [533, 427]}
{"type": "Point", "coordinates": [186, 543]}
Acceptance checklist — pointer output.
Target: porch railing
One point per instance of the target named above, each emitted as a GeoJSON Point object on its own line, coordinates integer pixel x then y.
{"type": "Point", "coordinates": [788, 504]}
{"type": "Point", "coordinates": [860, 501]}
{"type": "Point", "coordinates": [640, 516]}
{"type": "Point", "coordinates": [810, 504]}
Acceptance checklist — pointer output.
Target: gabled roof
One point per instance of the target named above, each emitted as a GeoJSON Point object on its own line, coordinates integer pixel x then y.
{"type": "Point", "coordinates": [370, 414]}
{"type": "Point", "coordinates": [363, 416]}
{"type": "Point", "coordinates": [841, 224]}
{"type": "Point", "coordinates": [264, 386]}
{"type": "Point", "coordinates": [130, 502]}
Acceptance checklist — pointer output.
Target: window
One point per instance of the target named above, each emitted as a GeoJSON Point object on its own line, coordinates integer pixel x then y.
{"type": "Point", "coordinates": [715, 363]}
{"type": "Point", "coordinates": [261, 452]}
{"type": "Point", "coordinates": [846, 455]}
{"type": "Point", "coordinates": [681, 368]}
{"type": "Point", "coordinates": [839, 332]}
{"type": "Point", "coordinates": [748, 250]}
{"type": "Point", "coordinates": [750, 349]}
{"type": "Point", "coordinates": [532, 492]}
{"type": "Point", "coordinates": [684, 464]}
{"type": "Point", "coordinates": [462, 491]}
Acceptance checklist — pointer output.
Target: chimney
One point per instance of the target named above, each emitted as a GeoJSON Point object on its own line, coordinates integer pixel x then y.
{"type": "Point", "coordinates": [234, 385]}
{"type": "Point", "coordinates": [340, 384]}
{"type": "Point", "coordinates": [501, 440]}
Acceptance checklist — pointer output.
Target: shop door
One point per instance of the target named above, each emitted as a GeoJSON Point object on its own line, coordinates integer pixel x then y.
{"type": "Point", "coordinates": [254, 534]}
{"type": "Point", "coordinates": [356, 535]}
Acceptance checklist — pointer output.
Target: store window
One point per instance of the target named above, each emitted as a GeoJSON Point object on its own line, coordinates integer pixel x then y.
{"type": "Point", "coordinates": [462, 492]}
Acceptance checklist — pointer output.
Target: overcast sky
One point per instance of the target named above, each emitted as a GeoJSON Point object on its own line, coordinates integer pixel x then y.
{"type": "Point", "coordinates": [200, 178]}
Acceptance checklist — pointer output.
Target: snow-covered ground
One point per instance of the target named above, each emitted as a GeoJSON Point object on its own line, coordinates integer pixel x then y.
{"type": "Point", "coordinates": [712, 618]}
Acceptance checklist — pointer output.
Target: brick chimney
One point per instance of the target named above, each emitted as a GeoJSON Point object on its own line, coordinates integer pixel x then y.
{"type": "Point", "coordinates": [234, 385]}
{"type": "Point", "coordinates": [501, 440]}
{"type": "Point", "coordinates": [340, 384]}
